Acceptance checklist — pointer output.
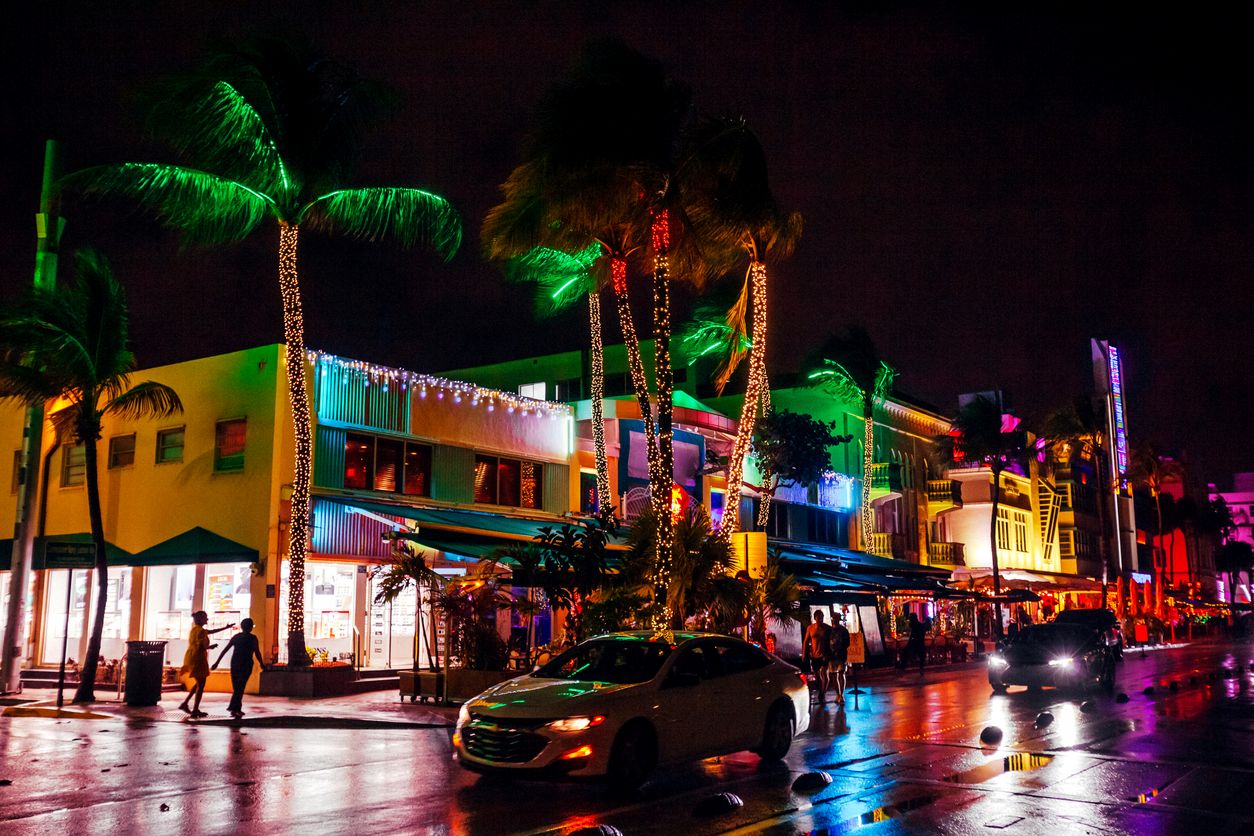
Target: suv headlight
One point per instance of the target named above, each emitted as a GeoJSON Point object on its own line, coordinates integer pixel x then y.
{"type": "Point", "coordinates": [1062, 662]}
{"type": "Point", "coordinates": [574, 724]}
{"type": "Point", "coordinates": [996, 662]}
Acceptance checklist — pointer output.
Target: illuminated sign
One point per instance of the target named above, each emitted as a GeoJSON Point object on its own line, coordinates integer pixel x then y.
{"type": "Point", "coordinates": [1121, 431]}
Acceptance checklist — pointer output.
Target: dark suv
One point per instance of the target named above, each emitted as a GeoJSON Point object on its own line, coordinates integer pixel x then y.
{"type": "Point", "coordinates": [1102, 620]}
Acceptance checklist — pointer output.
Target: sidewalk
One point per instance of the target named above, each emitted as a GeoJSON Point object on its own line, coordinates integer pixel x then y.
{"type": "Point", "coordinates": [373, 709]}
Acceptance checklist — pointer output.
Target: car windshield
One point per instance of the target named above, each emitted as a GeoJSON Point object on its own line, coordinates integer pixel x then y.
{"type": "Point", "coordinates": [615, 661]}
{"type": "Point", "coordinates": [1085, 617]}
{"type": "Point", "coordinates": [1055, 636]}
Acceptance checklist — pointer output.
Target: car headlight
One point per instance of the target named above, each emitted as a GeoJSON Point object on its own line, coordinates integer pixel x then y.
{"type": "Point", "coordinates": [1062, 662]}
{"type": "Point", "coordinates": [997, 662]}
{"type": "Point", "coordinates": [463, 716]}
{"type": "Point", "coordinates": [574, 724]}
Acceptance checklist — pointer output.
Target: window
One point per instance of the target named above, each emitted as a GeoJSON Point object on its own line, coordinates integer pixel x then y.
{"type": "Point", "coordinates": [417, 470]}
{"type": "Point", "coordinates": [1003, 528]}
{"type": "Point", "coordinates": [358, 461]}
{"type": "Point", "coordinates": [737, 658]}
{"type": "Point", "coordinates": [501, 481]}
{"type": "Point", "coordinates": [718, 504]}
{"type": "Point", "coordinates": [532, 390]}
{"type": "Point", "coordinates": [228, 449]}
{"type": "Point", "coordinates": [73, 465]}
{"type": "Point", "coordinates": [17, 470]}
{"type": "Point", "coordinates": [387, 464]}
{"type": "Point", "coordinates": [122, 451]}
{"type": "Point", "coordinates": [1066, 547]}
{"type": "Point", "coordinates": [170, 445]}
{"type": "Point", "coordinates": [568, 390]}
{"type": "Point", "coordinates": [825, 526]}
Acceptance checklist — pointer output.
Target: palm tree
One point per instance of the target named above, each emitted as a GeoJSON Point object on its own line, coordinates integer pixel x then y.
{"type": "Point", "coordinates": [1080, 426]}
{"type": "Point", "coordinates": [980, 436]}
{"type": "Point", "coordinates": [561, 278]}
{"type": "Point", "coordinates": [269, 132]}
{"type": "Point", "coordinates": [727, 198]}
{"type": "Point", "coordinates": [1152, 470]}
{"type": "Point", "coordinates": [849, 367]}
{"type": "Point", "coordinates": [773, 599]}
{"type": "Point", "coordinates": [72, 343]}
{"type": "Point", "coordinates": [409, 569]}
{"type": "Point", "coordinates": [696, 580]}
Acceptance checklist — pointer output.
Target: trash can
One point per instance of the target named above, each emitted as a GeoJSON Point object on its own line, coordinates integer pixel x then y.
{"type": "Point", "coordinates": [145, 662]}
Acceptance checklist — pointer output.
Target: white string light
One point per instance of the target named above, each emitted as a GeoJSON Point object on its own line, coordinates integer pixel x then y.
{"type": "Point", "coordinates": [757, 393]}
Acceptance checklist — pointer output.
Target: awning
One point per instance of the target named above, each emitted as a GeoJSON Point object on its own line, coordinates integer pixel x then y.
{"type": "Point", "coordinates": [196, 545]}
{"type": "Point", "coordinates": [1022, 579]}
{"type": "Point", "coordinates": [470, 533]}
{"type": "Point", "coordinates": [114, 556]}
{"type": "Point", "coordinates": [854, 562]}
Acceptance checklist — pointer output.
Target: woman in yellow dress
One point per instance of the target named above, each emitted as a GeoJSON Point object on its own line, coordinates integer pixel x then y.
{"type": "Point", "coordinates": [195, 670]}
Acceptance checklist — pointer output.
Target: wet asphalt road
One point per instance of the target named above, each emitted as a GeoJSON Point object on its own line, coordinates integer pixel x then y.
{"type": "Point", "coordinates": [908, 759]}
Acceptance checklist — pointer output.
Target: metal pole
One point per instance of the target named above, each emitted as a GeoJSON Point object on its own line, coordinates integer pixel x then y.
{"type": "Point", "coordinates": [65, 639]}
{"type": "Point", "coordinates": [48, 228]}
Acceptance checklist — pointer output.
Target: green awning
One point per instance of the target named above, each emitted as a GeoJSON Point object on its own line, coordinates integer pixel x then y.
{"type": "Point", "coordinates": [196, 545]}
{"type": "Point", "coordinates": [114, 556]}
{"type": "Point", "coordinates": [469, 533]}
{"type": "Point", "coordinates": [853, 562]}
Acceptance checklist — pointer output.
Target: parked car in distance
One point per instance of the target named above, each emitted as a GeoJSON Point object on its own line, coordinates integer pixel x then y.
{"type": "Point", "coordinates": [1059, 655]}
{"type": "Point", "coordinates": [1103, 620]}
{"type": "Point", "coordinates": [616, 706]}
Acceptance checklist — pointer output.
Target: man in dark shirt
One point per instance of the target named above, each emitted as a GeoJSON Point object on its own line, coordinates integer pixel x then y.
{"type": "Point", "coordinates": [840, 655]}
{"type": "Point", "coordinates": [244, 647]}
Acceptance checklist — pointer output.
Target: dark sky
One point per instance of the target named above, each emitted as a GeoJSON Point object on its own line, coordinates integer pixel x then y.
{"type": "Point", "coordinates": [983, 190]}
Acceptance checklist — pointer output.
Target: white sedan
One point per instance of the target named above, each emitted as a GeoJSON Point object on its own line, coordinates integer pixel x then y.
{"type": "Point", "coordinates": [621, 704]}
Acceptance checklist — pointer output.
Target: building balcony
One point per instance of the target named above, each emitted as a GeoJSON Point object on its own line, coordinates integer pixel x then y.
{"type": "Point", "coordinates": [887, 544]}
{"type": "Point", "coordinates": [945, 554]}
{"type": "Point", "coordinates": [885, 481]}
{"type": "Point", "coordinates": [943, 495]}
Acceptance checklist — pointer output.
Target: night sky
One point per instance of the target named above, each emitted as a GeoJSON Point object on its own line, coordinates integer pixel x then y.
{"type": "Point", "coordinates": [983, 192]}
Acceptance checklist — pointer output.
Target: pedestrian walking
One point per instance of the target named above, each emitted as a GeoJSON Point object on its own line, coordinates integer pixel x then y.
{"type": "Point", "coordinates": [195, 670]}
{"type": "Point", "coordinates": [244, 647]}
{"type": "Point", "coordinates": [916, 645]}
{"type": "Point", "coordinates": [839, 655]}
{"type": "Point", "coordinates": [816, 651]}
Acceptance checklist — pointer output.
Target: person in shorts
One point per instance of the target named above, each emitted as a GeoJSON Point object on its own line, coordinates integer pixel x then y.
{"type": "Point", "coordinates": [839, 660]}
{"type": "Point", "coordinates": [816, 652]}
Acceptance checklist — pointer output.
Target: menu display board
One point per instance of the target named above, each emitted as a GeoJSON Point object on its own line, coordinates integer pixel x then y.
{"type": "Point", "coordinates": [870, 622]}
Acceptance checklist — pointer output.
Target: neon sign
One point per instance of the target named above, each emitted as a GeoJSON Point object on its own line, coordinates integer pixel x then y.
{"type": "Point", "coordinates": [1121, 432]}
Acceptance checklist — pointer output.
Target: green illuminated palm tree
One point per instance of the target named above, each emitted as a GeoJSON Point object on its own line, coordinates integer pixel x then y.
{"type": "Point", "coordinates": [71, 343]}
{"type": "Point", "coordinates": [561, 279]}
{"type": "Point", "coordinates": [269, 133]}
{"type": "Point", "coordinates": [849, 367]}
{"type": "Point", "coordinates": [727, 199]}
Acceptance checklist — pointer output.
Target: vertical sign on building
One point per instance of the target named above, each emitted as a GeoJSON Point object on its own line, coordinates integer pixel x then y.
{"type": "Point", "coordinates": [1116, 394]}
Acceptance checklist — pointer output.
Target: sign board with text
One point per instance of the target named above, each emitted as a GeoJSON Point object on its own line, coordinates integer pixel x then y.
{"type": "Point", "coordinates": [69, 555]}
{"type": "Point", "coordinates": [857, 649]}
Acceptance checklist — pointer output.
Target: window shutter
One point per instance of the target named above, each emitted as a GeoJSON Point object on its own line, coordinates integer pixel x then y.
{"type": "Point", "coordinates": [452, 474]}
{"type": "Point", "coordinates": [329, 457]}
{"type": "Point", "coordinates": [556, 499]}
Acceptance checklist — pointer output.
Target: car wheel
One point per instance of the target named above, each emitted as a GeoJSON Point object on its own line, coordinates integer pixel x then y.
{"type": "Point", "coordinates": [777, 734]}
{"type": "Point", "coordinates": [997, 685]}
{"type": "Point", "coordinates": [633, 757]}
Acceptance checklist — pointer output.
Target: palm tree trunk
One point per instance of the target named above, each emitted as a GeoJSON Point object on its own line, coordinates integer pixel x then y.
{"type": "Point", "coordinates": [993, 542]}
{"type": "Point", "coordinates": [605, 507]}
{"type": "Point", "coordinates": [663, 475]}
{"type": "Point", "coordinates": [868, 460]}
{"type": "Point", "coordinates": [640, 384]}
{"type": "Point", "coordinates": [753, 397]}
{"type": "Point", "coordinates": [87, 676]}
{"type": "Point", "coordinates": [298, 528]}
{"type": "Point", "coordinates": [1160, 575]}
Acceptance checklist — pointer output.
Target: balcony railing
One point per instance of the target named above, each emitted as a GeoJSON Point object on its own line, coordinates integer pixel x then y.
{"type": "Point", "coordinates": [881, 543]}
{"type": "Point", "coordinates": [945, 554]}
{"type": "Point", "coordinates": [943, 494]}
{"type": "Point", "coordinates": [885, 480]}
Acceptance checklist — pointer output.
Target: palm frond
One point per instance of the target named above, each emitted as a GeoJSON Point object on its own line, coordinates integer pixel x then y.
{"type": "Point", "coordinates": [516, 225]}
{"type": "Point", "coordinates": [105, 318]}
{"type": "Point", "coordinates": [224, 132]}
{"type": "Point", "coordinates": [26, 385]}
{"type": "Point", "coordinates": [203, 207]}
{"type": "Point", "coordinates": [884, 378]}
{"type": "Point", "coordinates": [147, 399]}
{"type": "Point", "coordinates": [561, 278]}
{"type": "Point", "coordinates": [409, 216]}
{"type": "Point", "coordinates": [837, 381]}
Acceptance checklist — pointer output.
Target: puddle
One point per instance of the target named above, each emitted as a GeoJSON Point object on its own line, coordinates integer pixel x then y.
{"type": "Point", "coordinates": [1020, 762]}
{"type": "Point", "coordinates": [887, 812]}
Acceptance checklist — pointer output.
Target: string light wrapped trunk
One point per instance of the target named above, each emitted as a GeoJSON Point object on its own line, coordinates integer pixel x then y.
{"type": "Point", "coordinates": [663, 467]}
{"type": "Point", "coordinates": [605, 508]}
{"type": "Point", "coordinates": [756, 402]}
{"type": "Point", "coordinates": [618, 282]}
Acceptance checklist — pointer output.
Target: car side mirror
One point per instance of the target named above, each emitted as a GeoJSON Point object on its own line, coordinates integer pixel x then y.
{"type": "Point", "coordinates": [682, 680]}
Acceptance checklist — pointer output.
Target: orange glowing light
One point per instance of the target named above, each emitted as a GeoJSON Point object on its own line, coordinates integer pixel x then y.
{"type": "Point", "coordinates": [584, 751]}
